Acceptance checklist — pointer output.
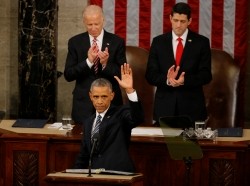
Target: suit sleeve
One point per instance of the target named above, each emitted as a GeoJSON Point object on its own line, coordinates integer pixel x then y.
{"type": "Point", "coordinates": [76, 65]}
{"type": "Point", "coordinates": [137, 112]}
{"type": "Point", "coordinates": [133, 114]}
{"type": "Point", "coordinates": [155, 75]}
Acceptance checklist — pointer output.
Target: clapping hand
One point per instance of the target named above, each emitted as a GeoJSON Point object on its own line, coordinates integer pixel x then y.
{"type": "Point", "coordinates": [172, 74]}
{"type": "Point", "coordinates": [92, 53]}
{"type": "Point", "coordinates": [104, 56]}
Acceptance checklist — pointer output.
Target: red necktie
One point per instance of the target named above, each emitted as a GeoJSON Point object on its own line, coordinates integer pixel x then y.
{"type": "Point", "coordinates": [179, 51]}
{"type": "Point", "coordinates": [96, 60]}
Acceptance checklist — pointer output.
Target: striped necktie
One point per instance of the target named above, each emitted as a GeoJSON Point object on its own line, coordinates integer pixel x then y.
{"type": "Point", "coordinates": [97, 59]}
{"type": "Point", "coordinates": [97, 125]}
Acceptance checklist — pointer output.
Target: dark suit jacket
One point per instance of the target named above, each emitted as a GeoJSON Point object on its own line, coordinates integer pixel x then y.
{"type": "Point", "coordinates": [76, 68]}
{"type": "Point", "coordinates": [196, 63]}
{"type": "Point", "coordinates": [114, 138]}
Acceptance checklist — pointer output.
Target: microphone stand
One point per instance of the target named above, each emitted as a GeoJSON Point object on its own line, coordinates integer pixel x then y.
{"type": "Point", "coordinates": [95, 139]}
{"type": "Point", "coordinates": [188, 161]}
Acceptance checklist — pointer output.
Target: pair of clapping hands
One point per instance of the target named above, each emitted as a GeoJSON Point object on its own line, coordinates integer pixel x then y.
{"type": "Point", "coordinates": [94, 52]}
{"type": "Point", "coordinates": [172, 74]}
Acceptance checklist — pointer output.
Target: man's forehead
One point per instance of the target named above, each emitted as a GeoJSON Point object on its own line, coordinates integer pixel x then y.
{"type": "Point", "coordinates": [101, 90]}
{"type": "Point", "coordinates": [180, 16]}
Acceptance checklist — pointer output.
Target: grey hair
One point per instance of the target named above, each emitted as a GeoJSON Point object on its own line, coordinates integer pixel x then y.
{"type": "Point", "coordinates": [92, 9]}
{"type": "Point", "coordinates": [101, 82]}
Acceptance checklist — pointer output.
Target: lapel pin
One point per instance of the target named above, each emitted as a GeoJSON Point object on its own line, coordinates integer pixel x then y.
{"type": "Point", "coordinates": [190, 40]}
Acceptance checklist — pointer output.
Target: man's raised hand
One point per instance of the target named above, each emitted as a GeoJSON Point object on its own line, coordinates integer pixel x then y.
{"type": "Point", "coordinates": [126, 80]}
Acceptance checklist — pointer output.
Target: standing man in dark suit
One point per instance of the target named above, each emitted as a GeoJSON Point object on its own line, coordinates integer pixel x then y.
{"type": "Point", "coordinates": [91, 55]}
{"type": "Point", "coordinates": [114, 131]}
{"type": "Point", "coordinates": [180, 86]}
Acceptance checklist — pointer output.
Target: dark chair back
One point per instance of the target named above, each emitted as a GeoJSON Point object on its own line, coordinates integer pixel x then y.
{"type": "Point", "coordinates": [221, 92]}
{"type": "Point", "coordinates": [137, 58]}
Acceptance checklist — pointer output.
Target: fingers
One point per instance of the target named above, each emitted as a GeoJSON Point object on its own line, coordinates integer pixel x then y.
{"type": "Point", "coordinates": [122, 70]}
{"type": "Point", "coordinates": [94, 48]}
{"type": "Point", "coordinates": [117, 79]}
{"type": "Point", "coordinates": [173, 72]}
{"type": "Point", "coordinates": [173, 82]}
{"type": "Point", "coordinates": [103, 55]}
{"type": "Point", "coordinates": [126, 80]}
{"type": "Point", "coordinates": [125, 69]}
{"type": "Point", "coordinates": [177, 82]}
{"type": "Point", "coordinates": [171, 69]}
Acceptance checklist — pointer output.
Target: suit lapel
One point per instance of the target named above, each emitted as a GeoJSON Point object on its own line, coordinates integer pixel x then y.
{"type": "Point", "coordinates": [107, 40]}
{"type": "Point", "coordinates": [169, 45]}
{"type": "Point", "coordinates": [85, 41]}
{"type": "Point", "coordinates": [188, 47]}
{"type": "Point", "coordinates": [105, 122]}
{"type": "Point", "coordinates": [167, 50]}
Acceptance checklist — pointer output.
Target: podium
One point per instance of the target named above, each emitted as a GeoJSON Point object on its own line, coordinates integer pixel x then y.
{"type": "Point", "coordinates": [178, 148]}
{"type": "Point", "coordinates": [71, 179]}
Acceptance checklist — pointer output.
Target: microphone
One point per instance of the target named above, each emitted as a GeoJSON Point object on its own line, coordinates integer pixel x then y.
{"type": "Point", "coordinates": [95, 139]}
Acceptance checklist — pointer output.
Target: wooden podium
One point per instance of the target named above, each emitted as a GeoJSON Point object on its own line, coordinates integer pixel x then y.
{"type": "Point", "coordinates": [44, 151]}
{"type": "Point", "coordinates": [68, 179]}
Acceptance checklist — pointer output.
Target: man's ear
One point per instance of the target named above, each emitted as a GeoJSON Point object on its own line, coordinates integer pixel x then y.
{"type": "Point", "coordinates": [112, 95]}
{"type": "Point", "coordinates": [189, 21]}
{"type": "Point", "coordinates": [90, 95]}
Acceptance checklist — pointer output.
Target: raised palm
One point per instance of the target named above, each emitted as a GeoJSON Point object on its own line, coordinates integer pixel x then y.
{"type": "Point", "coordinates": [126, 80]}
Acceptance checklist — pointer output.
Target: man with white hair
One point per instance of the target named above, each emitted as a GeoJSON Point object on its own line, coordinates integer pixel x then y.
{"type": "Point", "coordinates": [93, 54]}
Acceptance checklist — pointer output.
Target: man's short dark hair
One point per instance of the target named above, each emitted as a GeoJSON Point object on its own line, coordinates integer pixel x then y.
{"type": "Point", "coordinates": [101, 82]}
{"type": "Point", "coordinates": [182, 8]}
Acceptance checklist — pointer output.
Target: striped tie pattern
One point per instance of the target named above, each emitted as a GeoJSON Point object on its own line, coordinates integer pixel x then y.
{"type": "Point", "coordinates": [97, 125]}
{"type": "Point", "coordinates": [96, 60]}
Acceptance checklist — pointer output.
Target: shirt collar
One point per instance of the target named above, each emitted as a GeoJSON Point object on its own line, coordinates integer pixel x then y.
{"type": "Point", "coordinates": [183, 37]}
{"type": "Point", "coordinates": [102, 114]}
{"type": "Point", "coordinates": [99, 38]}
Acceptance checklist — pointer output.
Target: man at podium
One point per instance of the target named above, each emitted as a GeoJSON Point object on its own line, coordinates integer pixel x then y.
{"type": "Point", "coordinates": [107, 133]}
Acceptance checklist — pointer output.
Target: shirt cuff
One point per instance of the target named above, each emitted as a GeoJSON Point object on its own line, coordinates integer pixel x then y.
{"type": "Point", "coordinates": [103, 67]}
{"type": "Point", "coordinates": [89, 63]}
{"type": "Point", "coordinates": [133, 96]}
